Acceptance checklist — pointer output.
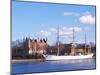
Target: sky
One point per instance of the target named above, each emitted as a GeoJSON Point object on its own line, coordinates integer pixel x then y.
{"type": "Point", "coordinates": [40, 20]}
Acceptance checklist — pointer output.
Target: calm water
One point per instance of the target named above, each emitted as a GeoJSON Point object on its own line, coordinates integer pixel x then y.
{"type": "Point", "coordinates": [49, 66]}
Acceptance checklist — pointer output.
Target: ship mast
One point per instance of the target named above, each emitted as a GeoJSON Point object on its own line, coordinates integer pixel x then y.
{"type": "Point", "coordinates": [58, 40]}
{"type": "Point", "coordinates": [73, 47]}
{"type": "Point", "coordinates": [85, 43]}
{"type": "Point", "coordinates": [73, 36]}
{"type": "Point", "coordinates": [73, 43]}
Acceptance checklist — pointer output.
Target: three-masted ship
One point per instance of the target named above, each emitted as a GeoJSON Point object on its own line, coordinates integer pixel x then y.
{"type": "Point", "coordinates": [72, 55]}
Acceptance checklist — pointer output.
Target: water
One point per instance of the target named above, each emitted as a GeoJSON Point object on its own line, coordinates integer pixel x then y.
{"type": "Point", "coordinates": [53, 66]}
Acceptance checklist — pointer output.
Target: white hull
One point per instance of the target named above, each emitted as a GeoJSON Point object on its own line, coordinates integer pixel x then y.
{"type": "Point", "coordinates": [54, 57]}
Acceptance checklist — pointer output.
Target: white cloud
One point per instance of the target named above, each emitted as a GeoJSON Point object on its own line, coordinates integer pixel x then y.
{"type": "Point", "coordinates": [87, 18]}
{"type": "Point", "coordinates": [66, 31]}
{"type": "Point", "coordinates": [76, 29]}
{"type": "Point", "coordinates": [69, 31]}
{"type": "Point", "coordinates": [63, 31]}
{"type": "Point", "coordinates": [44, 33]}
{"type": "Point", "coordinates": [53, 30]}
{"type": "Point", "coordinates": [71, 14]}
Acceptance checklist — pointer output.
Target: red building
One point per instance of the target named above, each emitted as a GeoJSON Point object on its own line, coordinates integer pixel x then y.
{"type": "Point", "coordinates": [37, 46]}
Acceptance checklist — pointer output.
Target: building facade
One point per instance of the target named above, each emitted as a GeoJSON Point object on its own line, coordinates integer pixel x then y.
{"type": "Point", "coordinates": [37, 46]}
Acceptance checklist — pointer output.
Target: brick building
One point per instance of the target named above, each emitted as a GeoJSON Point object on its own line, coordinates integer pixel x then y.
{"type": "Point", "coordinates": [37, 46]}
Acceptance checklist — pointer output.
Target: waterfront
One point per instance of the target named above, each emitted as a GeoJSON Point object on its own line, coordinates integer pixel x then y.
{"type": "Point", "coordinates": [52, 66]}
{"type": "Point", "coordinates": [44, 35]}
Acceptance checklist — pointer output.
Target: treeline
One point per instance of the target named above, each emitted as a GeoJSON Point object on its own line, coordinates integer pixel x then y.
{"type": "Point", "coordinates": [20, 49]}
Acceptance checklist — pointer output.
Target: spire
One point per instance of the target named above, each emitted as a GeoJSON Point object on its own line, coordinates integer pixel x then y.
{"type": "Point", "coordinates": [46, 39]}
{"type": "Point", "coordinates": [41, 40]}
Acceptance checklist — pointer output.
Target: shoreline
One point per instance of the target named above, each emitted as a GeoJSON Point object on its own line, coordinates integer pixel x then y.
{"type": "Point", "coordinates": [29, 60]}
{"type": "Point", "coordinates": [26, 60]}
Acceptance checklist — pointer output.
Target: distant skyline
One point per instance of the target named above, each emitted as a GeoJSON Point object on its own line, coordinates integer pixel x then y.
{"type": "Point", "coordinates": [40, 20]}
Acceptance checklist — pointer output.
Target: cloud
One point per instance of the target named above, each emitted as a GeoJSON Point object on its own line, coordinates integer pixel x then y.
{"type": "Point", "coordinates": [69, 31]}
{"type": "Point", "coordinates": [53, 30]}
{"type": "Point", "coordinates": [44, 33]}
{"type": "Point", "coordinates": [66, 31]}
{"type": "Point", "coordinates": [76, 29]}
{"type": "Point", "coordinates": [63, 31]}
{"type": "Point", "coordinates": [87, 18]}
{"type": "Point", "coordinates": [71, 14]}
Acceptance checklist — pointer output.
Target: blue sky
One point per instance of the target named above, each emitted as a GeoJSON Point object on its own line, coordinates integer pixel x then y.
{"type": "Point", "coordinates": [39, 20]}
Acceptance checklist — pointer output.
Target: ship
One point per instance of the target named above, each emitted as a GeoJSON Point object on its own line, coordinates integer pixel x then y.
{"type": "Point", "coordinates": [72, 54]}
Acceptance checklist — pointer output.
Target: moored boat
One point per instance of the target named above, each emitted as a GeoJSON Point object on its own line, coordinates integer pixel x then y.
{"type": "Point", "coordinates": [54, 57]}
{"type": "Point", "coordinates": [85, 55]}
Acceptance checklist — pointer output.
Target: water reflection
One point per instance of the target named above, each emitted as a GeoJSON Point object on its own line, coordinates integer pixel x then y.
{"type": "Point", "coordinates": [72, 61]}
{"type": "Point", "coordinates": [50, 66]}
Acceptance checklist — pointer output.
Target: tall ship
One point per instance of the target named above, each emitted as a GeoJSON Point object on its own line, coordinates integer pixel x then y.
{"type": "Point", "coordinates": [85, 55]}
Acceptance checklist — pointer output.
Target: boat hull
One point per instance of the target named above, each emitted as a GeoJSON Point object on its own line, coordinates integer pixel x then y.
{"type": "Point", "coordinates": [54, 57]}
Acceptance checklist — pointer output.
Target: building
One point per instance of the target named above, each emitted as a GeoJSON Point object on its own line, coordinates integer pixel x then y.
{"type": "Point", "coordinates": [77, 50]}
{"type": "Point", "coordinates": [37, 46]}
